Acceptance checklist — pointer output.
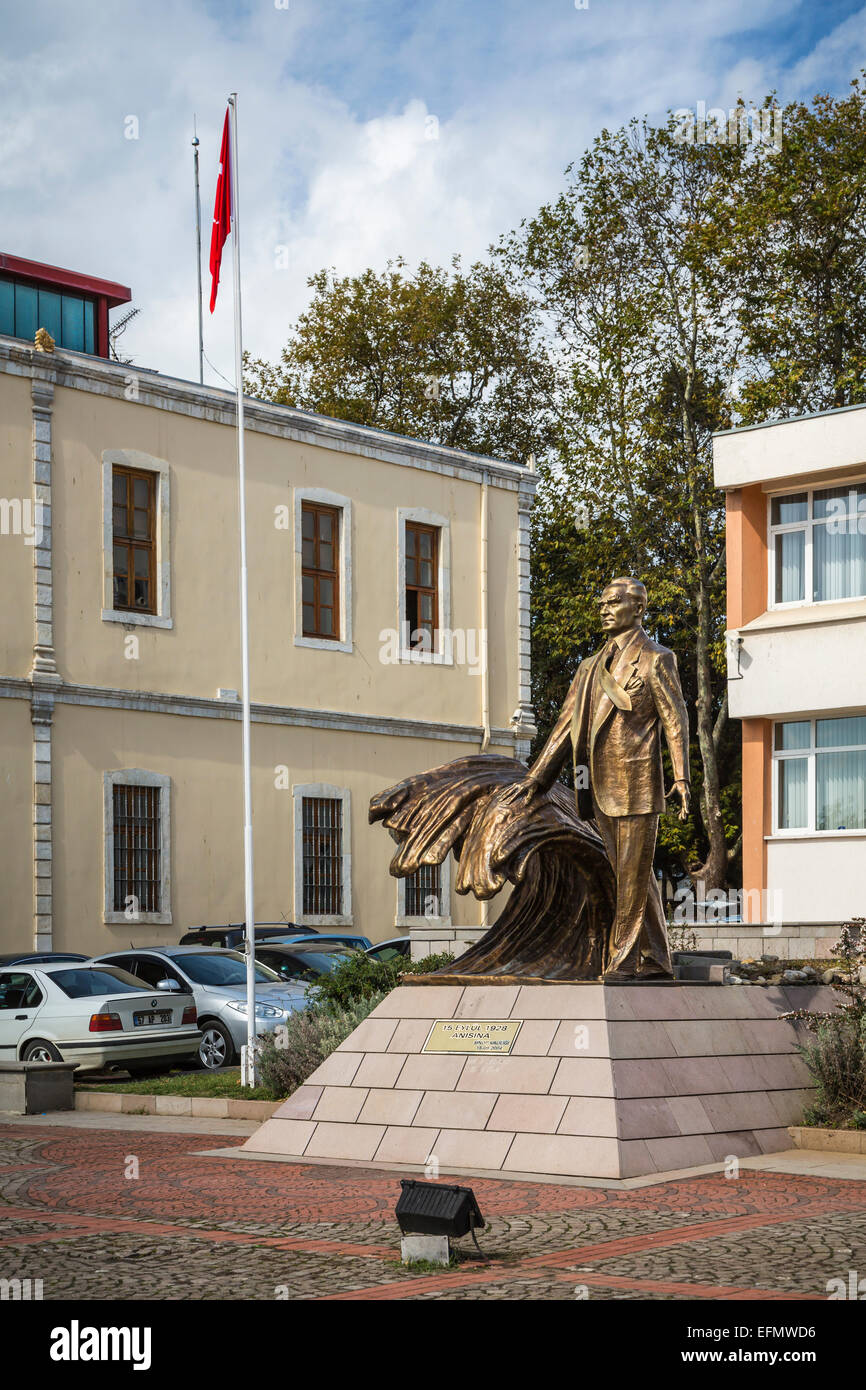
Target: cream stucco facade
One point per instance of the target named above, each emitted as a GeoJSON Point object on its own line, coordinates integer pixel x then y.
{"type": "Point", "coordinates": [90, 696]}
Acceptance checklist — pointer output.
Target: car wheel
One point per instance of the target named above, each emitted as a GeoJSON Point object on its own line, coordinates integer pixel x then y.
{"type": "Point", "coordinates": [39, 1051]}
{"type": "Point", "coordinates": [216, 1048]}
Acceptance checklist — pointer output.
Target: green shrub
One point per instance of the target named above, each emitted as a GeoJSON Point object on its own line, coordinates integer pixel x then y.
{"type": "Point", "coordinates": [360, 976]}
{"type": "Point", "coordinates": [288, 1056]}
{"type": "Point", "coordinates": [341, 1001]}
{"type": "Point", "coordinates": [427, 964]}
{"type": "Point", "coordinates": [837, 1064]}
{"type": "Point", "coordinates": [357, 977]}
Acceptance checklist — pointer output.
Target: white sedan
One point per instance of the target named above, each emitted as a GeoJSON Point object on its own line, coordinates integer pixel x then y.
{"type": "Point", "coordinates": [95, 1015]}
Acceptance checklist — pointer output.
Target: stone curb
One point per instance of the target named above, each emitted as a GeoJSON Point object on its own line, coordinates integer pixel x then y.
{"type": "Point", "coordinates": [210, 1107]}
{"type": "Point", "coordinates": [845, 1141]}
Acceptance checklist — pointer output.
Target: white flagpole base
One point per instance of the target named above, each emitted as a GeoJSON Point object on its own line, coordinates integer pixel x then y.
{"type": "Point", "coordinates": [249, 1066]}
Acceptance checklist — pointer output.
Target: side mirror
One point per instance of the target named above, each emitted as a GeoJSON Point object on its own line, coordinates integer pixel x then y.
{"type": "Point", "coordinates": [171, 986]}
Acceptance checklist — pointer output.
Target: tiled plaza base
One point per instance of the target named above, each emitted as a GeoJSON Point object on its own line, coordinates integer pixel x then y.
{"type": "Point", "coordinates": [604, 1081]}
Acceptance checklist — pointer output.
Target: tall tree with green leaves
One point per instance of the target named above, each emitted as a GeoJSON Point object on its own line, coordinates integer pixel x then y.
{"type": "Point", "coordinates": [625, 267]}
{"type": "Point", "coordinates": [795, 261]}
{"type": "Point", "coordinates": [451, 356]}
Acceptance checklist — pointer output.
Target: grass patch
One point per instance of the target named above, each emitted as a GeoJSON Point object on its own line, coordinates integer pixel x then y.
{"type": "Point", "coordinates": [221, 1084]}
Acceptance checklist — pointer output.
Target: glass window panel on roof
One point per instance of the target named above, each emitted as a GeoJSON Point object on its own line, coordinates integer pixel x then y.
{"type": "Point", "coordinates": [7, 308]}
{"type": "Point", "coordinates": [26, 311]}
{"type": "Point", "coordinates": [50, 313]}
{"type": "Point", "coordinates": [72, 323]}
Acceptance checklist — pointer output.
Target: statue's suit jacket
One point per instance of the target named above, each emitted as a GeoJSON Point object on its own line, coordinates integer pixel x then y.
{"type": "Point", "coordinates": [621, 748]}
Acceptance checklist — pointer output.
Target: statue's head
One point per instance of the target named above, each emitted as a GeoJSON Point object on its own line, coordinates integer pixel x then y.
{"type": "Point", "coordinates": [622, 605]}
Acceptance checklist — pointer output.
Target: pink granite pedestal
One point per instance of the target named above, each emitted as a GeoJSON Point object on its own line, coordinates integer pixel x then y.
{"type": "Point", "coordinates": [603, 1081]}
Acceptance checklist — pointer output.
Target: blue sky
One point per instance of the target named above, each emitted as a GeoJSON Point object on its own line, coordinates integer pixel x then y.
{"type": "Point", "coordinates": [337, 163]}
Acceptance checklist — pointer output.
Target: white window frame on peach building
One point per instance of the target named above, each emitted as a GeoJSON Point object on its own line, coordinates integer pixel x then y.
{"type": "Point", "coordinates": [807, 527]}
{"type": "Point", "coordinates": [810, 754]}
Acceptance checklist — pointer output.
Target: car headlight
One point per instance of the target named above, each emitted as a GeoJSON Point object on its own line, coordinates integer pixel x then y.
{"type": "Point", "coordinates": [262, 1010]}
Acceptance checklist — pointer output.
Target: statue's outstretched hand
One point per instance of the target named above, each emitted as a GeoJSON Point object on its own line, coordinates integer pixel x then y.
{"type": "Point", "coordinates": [683, 790]}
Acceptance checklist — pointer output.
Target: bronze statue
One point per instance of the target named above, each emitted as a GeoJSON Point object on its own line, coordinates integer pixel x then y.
{"type": "Point", "coordinates": [585, 902]}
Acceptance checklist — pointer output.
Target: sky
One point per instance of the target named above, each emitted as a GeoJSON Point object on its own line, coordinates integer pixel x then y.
{"type": "Point", "coordinates": [368, 129]}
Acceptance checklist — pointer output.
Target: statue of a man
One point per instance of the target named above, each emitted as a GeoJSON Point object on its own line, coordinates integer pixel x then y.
{"type": "Point", "coordinates": [619, 701]}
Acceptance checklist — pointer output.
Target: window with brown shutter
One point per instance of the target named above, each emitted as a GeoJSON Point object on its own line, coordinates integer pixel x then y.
{"type": "Point", "coordinates": [322, 819]}
{"type": "Point", "coordinates": [320, 561]}
{"type": "Point", "coordinates": [422, 585]}
{"type": "Point", "coordinates": [134, 534]}
{"type": "Point", "coordinates": [137, 850]}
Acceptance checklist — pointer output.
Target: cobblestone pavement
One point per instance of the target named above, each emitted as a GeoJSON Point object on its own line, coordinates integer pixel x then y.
{"type": "Point", "coordinates": [98, 1214]}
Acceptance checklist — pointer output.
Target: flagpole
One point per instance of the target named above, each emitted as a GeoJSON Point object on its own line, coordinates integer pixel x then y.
{"type": "Point", "coordinates": [249, 913]}
{"type": "Point", "coordinates": [198, 254]}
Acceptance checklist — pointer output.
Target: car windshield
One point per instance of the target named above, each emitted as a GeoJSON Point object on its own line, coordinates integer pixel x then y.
{"type": "Point", "coordinates": [83, 984]}
{"type": "Point", "coordinates": [320, 962]}
{"type": "Point", "coordinates": [386, 953]}
{"type": "Point", "coordinates": [223, 968]}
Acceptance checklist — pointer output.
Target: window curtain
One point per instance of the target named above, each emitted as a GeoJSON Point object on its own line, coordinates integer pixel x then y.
{"type": "Point", "coordinates": [839, 559]}
{"type": "Point", "coordinates": [793, 792]}
{"type": "Point", "coordinates": [841, 790]}
{"type": "Point", "coordinates": [790, 566]}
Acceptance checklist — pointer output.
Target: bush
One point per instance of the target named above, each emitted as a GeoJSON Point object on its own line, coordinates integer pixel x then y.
{"type": "Point", "coordinates": [288, 1056]}
{"type": "Point", "coordinates": [341, 1001]}
{"type": "Point", "coordinates": [837, 1064]}
{"type": "Point", "coordinates": [361, 976]}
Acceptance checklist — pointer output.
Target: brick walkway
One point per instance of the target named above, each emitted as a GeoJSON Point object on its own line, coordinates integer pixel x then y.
{"type": "Point", "coordinates": [100, 1214]}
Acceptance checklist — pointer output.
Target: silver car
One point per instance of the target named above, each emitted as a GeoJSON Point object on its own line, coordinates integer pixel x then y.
{"type": "Point", "coordinates": [95, 1015]}
{"type": "Point", "coordinates": [217, 980]}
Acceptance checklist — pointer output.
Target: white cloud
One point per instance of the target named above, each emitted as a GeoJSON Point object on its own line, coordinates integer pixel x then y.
{"type": "Point", "coordinates": [336, 159]}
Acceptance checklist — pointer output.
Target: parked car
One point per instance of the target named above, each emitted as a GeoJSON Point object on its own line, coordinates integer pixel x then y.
{"type": "Point", "coordinates": [348, 940]}
{"type": "Point", "coordinates": [217, 979]}
{"type": "Point", "coordinates": [307, 961]}
{"type": "Point", "coordinates": [96, 1015]}
{"type": "Point", "coordinates": [35, 958]}
{"type": "Point", "coordinates": [232, 935]}
{"type": "Point", "coordinates": [396, 947]}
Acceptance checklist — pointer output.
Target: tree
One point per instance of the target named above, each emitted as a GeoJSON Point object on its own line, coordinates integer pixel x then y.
{"type": "Point", "coordinates": [625, 266]}
{"type": "Point", "coordinates": [795, 262]}
{"type": "Point", "coordinates": [451, 356]}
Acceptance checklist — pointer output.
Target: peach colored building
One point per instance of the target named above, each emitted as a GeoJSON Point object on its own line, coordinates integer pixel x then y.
{"type": "Point", "coordinates": [389, 603]}
{"type": "Point", "coordinates": [796, 642]}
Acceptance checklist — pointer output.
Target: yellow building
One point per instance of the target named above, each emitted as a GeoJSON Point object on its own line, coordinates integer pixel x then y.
{"type": "Point", "coordinates": [378, 565]}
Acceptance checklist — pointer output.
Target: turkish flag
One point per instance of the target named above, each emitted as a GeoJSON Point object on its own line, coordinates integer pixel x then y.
{"type": "Point", "coordinates": [222, 212]}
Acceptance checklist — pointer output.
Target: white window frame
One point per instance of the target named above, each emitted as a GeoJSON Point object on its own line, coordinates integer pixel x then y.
{"type": "Point", "coordinates": [810, 754]}
{"type": "Point", "coordinates": [402, 918]}
{"type": "Point", "coordinates": [807, 527]}
{"type": "Point", "coordinates": [322, 789]}
{"type": "Point", "coordinates": [344, 543]}
{"type": "Point", "coordinates": [137, 777]}
{"type": "Point", "coordinates": [133, 458]}
{"type": "Point", "coordinates": [443, 655]}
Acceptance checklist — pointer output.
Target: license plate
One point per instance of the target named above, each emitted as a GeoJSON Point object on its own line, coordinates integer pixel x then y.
{"type": "Point", "coordinates": [146, 1020]}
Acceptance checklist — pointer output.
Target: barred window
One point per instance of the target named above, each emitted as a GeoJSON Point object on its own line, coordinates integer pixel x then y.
{"type": "Point", "coordinates": [424, 892]}
{"type": "Point", "coordinates": [137, 849]}
{"type": "Point", "coordinates": [323, 855]}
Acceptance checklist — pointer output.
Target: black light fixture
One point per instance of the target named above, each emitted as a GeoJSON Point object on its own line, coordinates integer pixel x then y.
{"type": "Point", "coordinates": [437, 1209]}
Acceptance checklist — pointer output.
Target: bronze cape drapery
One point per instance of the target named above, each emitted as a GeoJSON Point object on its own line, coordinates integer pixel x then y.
{"type": "Point", "coordinates": [556, 922]}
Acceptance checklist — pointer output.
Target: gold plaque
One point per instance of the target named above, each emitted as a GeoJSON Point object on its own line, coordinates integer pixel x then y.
{"type": "Point", "coordinates": [473, 1035]}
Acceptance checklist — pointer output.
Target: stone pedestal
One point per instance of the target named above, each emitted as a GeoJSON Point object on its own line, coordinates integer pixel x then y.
{"type": "Point", "coordinates": [34, 1088]}
{"type": "Point", "coordinates": [602, 1081]}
